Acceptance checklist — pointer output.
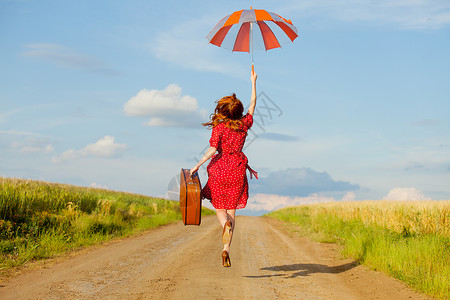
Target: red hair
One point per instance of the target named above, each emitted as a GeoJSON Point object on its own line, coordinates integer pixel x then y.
{"type": "Point", "coordinates": [228, 111]}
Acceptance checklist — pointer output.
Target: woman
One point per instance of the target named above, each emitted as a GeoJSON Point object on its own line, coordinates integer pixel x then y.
{"type": "Point", "coordinates": [227, 185]}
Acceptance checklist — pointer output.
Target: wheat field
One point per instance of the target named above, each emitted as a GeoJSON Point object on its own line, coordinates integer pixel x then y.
{"type": "Point", "coordinates": [407, 217]}
{"type": "Point", "coordinates": [409, 240]}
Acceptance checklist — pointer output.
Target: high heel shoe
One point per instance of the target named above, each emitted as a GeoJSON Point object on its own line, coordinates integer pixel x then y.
{"type": "Point", "coordinates": [226, 234]}
{"type": "Point", "coordinates": [226, 262]}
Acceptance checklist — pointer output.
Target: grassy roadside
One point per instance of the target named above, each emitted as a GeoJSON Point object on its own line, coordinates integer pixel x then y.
{"type": "Point", "coordinates": [407, 240]}
{"type": "Point", "coordinates": [40, 220]}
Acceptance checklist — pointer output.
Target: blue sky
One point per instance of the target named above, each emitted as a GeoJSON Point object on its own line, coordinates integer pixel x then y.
{"type": "Point", "coordinates": [112, 93]}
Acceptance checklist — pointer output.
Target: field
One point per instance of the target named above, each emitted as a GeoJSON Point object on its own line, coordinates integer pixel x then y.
{"type": "Point", "coordinates": [40, 220]}
{"type": "Point", "coordinates": [407, 240]}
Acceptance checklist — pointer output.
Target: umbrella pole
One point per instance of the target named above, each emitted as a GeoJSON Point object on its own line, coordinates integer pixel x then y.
{"type": "Point", "coordinates": [251, 44]}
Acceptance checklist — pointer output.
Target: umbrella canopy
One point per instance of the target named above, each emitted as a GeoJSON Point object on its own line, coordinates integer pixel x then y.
{"type": "Point", "coordinates": [245, 30]}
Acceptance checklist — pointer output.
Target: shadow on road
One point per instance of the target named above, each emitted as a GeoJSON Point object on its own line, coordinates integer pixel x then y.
{"type": "Point", "coordinates": [305, 270]}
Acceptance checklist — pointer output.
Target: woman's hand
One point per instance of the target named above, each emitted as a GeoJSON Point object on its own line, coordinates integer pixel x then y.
{"type": "Point", "coordinates": [253, 76]}
{"type": "Point", "coordinates": [193, 170]}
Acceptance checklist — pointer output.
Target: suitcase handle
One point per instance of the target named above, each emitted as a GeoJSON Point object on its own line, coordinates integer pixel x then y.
{"type": "Point", "coordinates": [195, 174]}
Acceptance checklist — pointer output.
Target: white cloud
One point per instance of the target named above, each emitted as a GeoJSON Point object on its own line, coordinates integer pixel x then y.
{"type": "Point", "coordinates": [405, 14]}
{"type": "Point", "coordinates": [269, 202]}
{"type": "Point", "coordinates": [167, 107]}
{"type": "Point", "coordinates": [27, 142]}
{"type": "Point", "coordinates": [36, 149]}
{"type": "Point", "coordinates": [104, 147]}
{"type": "Point", "coordinates": [186, 45]}
{"type": "Point", "coordinates": [350, 196]}
{"type": "Point", "coordinates": [18, 133]}
{"type": "Point", "coordinates": [65, 57]}
{"type": "Point", "coordinates": [405, 194]}
{"type": "Point", "coordinates": [98, 186]}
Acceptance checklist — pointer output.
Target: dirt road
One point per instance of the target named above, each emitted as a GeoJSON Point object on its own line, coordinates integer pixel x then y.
{"type": "Point", "coordinates": [178, 262]}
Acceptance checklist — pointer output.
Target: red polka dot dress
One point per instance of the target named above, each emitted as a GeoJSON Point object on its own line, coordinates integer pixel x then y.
{"type": "Point", "coordinates": [227, 185]}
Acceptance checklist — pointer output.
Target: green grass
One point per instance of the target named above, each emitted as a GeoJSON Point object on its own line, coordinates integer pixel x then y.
{"type": "Point", "coordinates": [421, 260]}
{"type": "Point", "coordinates": [40, 220]}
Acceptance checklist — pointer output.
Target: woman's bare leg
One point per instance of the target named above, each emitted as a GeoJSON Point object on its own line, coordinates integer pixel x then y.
{"type": "Point", "coordinates": [231, 217]}
{"type": "Point", "coordinates": [225, 215]}
{"type": "Point", "coordinates": [222, 216]}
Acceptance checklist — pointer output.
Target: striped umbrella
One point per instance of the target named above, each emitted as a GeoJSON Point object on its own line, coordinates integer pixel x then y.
{"type": "Point", "coordinates": [249, 29]}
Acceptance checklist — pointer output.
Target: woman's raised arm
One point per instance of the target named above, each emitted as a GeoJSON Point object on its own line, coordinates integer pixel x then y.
{"type": "Point", "coordinates": [251, 108]}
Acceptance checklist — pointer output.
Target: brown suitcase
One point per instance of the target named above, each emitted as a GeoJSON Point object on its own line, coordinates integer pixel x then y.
{"type": "Point", "coordinates": [190, 198]}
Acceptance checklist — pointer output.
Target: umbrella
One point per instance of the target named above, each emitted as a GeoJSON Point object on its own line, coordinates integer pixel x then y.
{"type": "Point", "coordinates": [247, 29]}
